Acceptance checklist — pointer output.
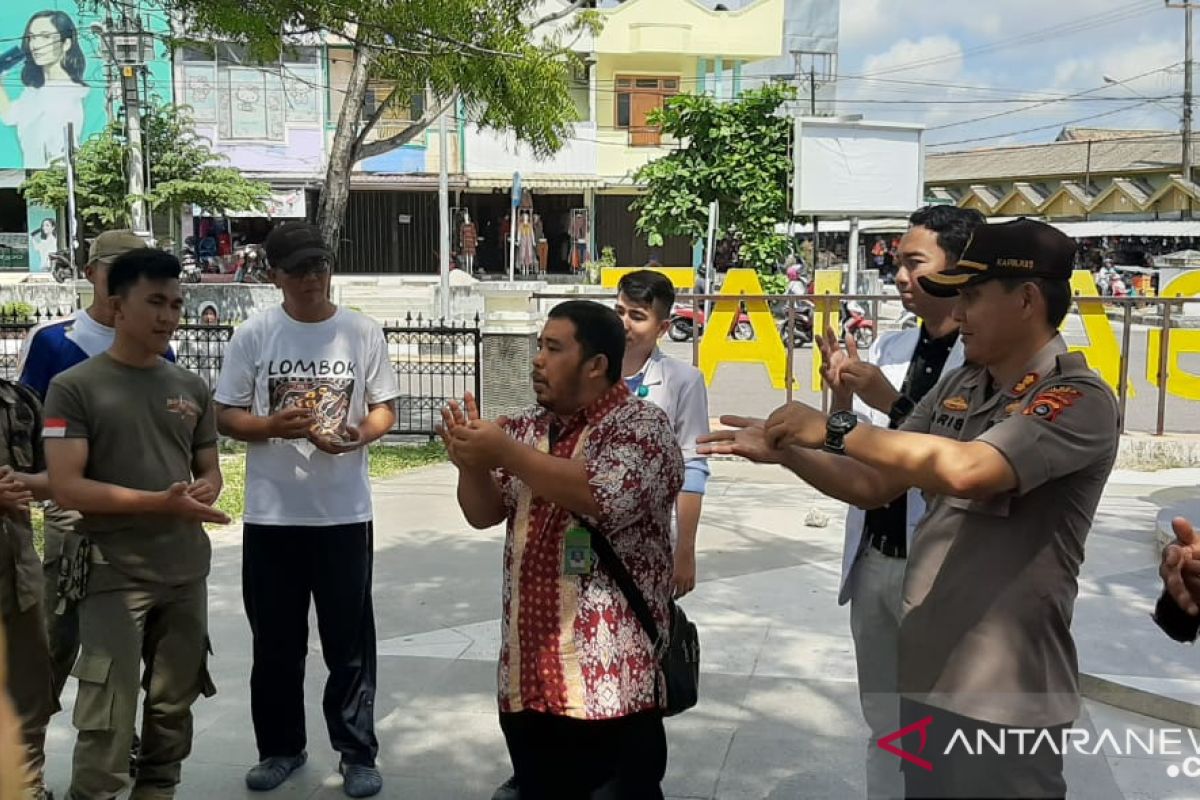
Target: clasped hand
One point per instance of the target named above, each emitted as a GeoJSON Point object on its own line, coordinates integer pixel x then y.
{"type": "Point", "coordinates": [15, 496]}
{"type": "Point", "coordinates": [471, 442]}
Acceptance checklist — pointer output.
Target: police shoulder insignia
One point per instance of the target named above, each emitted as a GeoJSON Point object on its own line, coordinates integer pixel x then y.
{"type": "Point", "coordinates": [1053, 401]}
{"type": "Point", "coordinates": [958, 403]}
{"type": "Point", "coordinates": [1023, 385]}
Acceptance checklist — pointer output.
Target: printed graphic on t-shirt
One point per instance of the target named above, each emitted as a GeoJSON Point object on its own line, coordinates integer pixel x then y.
{"type": "Point", "coordinates": [327, 398]}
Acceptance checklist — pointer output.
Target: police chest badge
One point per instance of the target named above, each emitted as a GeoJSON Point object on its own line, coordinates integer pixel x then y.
{"type": "Point", "coordinates": [1052, 402]}
{"type": "Point", "coordinates": [958, 403]}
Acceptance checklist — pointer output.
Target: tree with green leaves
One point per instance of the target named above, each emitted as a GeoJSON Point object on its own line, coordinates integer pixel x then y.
{"type": "Point", "coordinates": [732, 152]}
{"type": "Point", "coordinates": [496, 60]}
{"type": "Point", "coordinates": [182, 166]}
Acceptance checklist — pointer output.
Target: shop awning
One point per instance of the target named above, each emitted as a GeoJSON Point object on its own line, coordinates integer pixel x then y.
{"type": "Point", "coordinates": [11, 178]}
{"type": "Point", "coordinates": [414, 181]}
{"type": "Point", "coordinates": [544, 181]}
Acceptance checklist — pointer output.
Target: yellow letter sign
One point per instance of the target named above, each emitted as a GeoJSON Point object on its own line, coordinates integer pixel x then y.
{"type": "Point", "coordinates": [1103, 351]}
{"type": "Point", "coordinates": [765, 348]}
{"type": "Point", "coordinates": [1180, 382]}
{"type": "Point", "coordinates": [828, 314]}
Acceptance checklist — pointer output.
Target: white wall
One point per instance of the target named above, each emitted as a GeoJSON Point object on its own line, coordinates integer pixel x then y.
{"type": "Point", "coordinates": [489, 152]}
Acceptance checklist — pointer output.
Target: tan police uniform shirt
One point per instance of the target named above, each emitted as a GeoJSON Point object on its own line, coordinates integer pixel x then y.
{"type": "Point", "coordinates": [991, 584]}
{"type": "Point", "coordinates": [21, 449]}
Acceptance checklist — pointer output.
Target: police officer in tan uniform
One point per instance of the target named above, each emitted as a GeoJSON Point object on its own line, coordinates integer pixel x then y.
{"type": "Point", "coordinates": [1023, 439]}
{"type": "Point", "coordinates": [22, 474]}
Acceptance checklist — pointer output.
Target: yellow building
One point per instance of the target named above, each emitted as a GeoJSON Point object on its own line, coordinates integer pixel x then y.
{"type": "Point", "coordinates": [648, 51]}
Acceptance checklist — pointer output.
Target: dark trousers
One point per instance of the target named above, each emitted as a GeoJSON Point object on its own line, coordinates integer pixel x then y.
{"type": "Point", "coordinates": [984, 774]}
{"type": "Point", "coordinates": [282, 568]}
{"type": "Point", "coordinates": [559, 758]}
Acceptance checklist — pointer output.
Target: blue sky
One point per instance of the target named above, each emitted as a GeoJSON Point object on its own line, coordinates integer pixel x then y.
{"type": "Point", "coordinates": [916, 55]}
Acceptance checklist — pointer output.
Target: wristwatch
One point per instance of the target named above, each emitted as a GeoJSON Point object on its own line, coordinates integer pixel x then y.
{"type": "Point", "coordinates": [837, 428]}
{"type": "Point", "coordinates": [900, 409]}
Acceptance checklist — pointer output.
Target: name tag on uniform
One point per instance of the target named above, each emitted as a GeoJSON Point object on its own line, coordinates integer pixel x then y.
{"type": "Point", "coordinates": [578, 558]}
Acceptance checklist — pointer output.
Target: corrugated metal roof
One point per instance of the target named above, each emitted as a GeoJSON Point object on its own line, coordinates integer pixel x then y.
{"type": "Point", "coordinates": [1122, 156]}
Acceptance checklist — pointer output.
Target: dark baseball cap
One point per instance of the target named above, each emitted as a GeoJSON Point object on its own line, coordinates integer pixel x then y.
{"type": "Point", "coordinates": [294, 244]}
{"type": "Point", "coordinates": [1021, 248]}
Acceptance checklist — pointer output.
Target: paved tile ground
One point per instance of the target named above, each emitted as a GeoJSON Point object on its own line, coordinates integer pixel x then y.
{"type": "Point", "coordinates": [779, 716]}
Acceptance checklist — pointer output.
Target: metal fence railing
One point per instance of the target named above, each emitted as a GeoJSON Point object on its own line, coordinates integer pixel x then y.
{"type": "Point", "coordinates": [434, 360]}
{"type": "Point", "coordinates": [1145, 374]}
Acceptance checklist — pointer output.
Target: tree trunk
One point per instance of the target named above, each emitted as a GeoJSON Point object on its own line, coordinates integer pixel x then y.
{"type": "Point", "coordinates": [331, 210]}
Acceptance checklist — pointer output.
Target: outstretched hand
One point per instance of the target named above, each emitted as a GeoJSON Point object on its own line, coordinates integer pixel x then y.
{"type": "Point", "coordinates": [745, 437]}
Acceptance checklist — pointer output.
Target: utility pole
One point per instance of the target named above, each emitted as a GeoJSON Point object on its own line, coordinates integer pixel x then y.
{"type": "Point", "coordinates": [127, 47]}
{"type": "Point", "coordinates": [812, 91]}
{"type": "Point", "coordinates": [1187, 91]}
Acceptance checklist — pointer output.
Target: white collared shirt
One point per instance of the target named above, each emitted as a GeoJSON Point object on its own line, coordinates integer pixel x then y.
{"type": "Point", "coordinates": [892, 353]}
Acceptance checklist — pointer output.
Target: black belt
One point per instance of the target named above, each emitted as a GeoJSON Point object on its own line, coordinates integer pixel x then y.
{"type": "Point", "coordinates": [888, 545]}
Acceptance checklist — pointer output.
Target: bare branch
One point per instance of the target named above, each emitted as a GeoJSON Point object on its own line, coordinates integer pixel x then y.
{"type": "Point", "coordinates": [557, 15]}
{"type": "Point", "coordinates": [380, 146]}
{"type": "Point", "coordinates": [376, 115]}
{"type": "Point", "coordinates": [474, 48]}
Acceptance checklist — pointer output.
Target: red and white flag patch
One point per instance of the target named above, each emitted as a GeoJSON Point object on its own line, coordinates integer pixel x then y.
{"type": "Point", "coordinates": [54, 428]}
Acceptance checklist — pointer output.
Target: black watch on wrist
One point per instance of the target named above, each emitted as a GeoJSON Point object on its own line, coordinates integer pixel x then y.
{"type": "Point", "coordinates": [838, 426]}
{"type": "Point", "coordinates": [900, 409]}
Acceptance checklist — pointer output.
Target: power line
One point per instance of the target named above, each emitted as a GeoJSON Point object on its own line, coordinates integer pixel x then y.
{"type": "Point", "coordinates": [1081, 25]}
{"type": "Point", "coordinates": [1057, 125]}
{"type": "Point", "coordinates": [1048, 102]}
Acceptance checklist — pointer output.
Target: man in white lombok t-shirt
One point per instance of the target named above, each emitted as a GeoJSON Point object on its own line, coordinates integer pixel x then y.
{"type": "Point", "coordinates": [309, 386]}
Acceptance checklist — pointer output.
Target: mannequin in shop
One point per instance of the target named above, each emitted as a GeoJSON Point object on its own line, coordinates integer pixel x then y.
{"type": "Point", "coordinates": [543, 247]}
{"type": "Point", "coordinates": [468, 241]}
{"type": "Point", "coordinates": [579, 238]}
{"type": "Point", "coordinates": [526, 242]}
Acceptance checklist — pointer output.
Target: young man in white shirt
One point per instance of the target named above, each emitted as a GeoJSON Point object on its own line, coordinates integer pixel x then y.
{"type": "Point", "coordinates": [901, 367]}
{"type": "Point", "coordinates": [644, 302]}
{"type": "Point", "coordinates": [309, 386]}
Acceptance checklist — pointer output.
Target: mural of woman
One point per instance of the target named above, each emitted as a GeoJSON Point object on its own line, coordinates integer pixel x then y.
{"type": "Point", "coordinates": [43, 243]}
{"type": "Point", "coordinates": [54, 88]}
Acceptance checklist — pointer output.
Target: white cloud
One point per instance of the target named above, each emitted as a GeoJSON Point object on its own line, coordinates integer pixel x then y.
{"type": "Point", "coordinates": [947, 51]}
{"type": "Point", "coordinates": [863, 21]}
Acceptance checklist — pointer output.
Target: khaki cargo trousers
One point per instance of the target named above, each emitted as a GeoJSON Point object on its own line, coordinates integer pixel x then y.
{"type": "Point", "coordinates": [123, 623]}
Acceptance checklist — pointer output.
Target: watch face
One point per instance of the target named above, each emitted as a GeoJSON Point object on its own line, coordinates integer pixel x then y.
{"type": "Point", "coordinates": [843, 421]}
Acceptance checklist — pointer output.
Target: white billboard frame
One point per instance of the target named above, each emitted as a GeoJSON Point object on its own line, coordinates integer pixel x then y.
{"type": "Point", "coordinates": [864, 211]}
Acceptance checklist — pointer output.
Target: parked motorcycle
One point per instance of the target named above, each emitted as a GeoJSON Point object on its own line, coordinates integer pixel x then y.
{"type": "Point", "coordinates": [856, 323]}
{"type": "Point", "coordinates": [190, 269]}
{"type": "Point", "coordinates": [802, 322]}
{"type": "Point", "coordinates": [685, 320]}
{"type": "Point", "coordinates": [60, 267]}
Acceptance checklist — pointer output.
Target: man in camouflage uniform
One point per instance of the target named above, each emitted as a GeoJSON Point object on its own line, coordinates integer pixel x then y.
{"type": "Point", "coordinates": [22, 475]}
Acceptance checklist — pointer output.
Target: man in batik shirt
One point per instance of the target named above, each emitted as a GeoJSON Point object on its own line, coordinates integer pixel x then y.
{"type": "Point", "coordinates": [579, 683]}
